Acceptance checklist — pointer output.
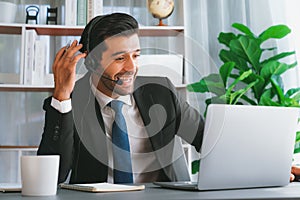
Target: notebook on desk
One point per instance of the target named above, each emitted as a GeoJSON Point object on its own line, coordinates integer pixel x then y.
{"type": "Point", "coordinates": [244, 147]}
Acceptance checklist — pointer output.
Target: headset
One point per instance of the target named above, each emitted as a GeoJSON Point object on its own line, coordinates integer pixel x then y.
{"type": "Point", "coordinates": [91, 61]}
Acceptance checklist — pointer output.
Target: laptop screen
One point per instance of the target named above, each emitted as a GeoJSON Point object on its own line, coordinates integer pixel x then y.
{"type": "Point", "coordinates": [247, 146]}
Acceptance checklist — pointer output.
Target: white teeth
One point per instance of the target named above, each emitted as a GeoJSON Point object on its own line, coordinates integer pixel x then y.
{"type": "Point", "coordinates": [126, 79]}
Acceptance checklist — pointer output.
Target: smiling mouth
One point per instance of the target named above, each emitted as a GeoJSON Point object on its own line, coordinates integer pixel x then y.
{"type": "Point", "coordinates": [126, 79]}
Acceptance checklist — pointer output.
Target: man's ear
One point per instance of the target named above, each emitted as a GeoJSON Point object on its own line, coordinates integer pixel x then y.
{"type": "Point", "coordinates": [91, 62]}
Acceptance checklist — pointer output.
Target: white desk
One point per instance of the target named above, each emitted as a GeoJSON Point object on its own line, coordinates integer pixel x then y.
{"type": "Point", "coordinates": [292, 191]}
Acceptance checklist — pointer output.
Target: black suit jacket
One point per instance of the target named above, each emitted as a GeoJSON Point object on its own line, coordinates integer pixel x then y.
{"type": "Point", "coordinates": [79, 137]}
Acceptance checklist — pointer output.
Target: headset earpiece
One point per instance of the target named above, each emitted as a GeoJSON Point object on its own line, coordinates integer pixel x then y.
{"type": "Point", "coordinates": [91, 61]}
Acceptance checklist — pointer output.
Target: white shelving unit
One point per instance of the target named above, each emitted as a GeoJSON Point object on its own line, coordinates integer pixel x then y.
{"type": "Point", "coordinates": [61, 30]}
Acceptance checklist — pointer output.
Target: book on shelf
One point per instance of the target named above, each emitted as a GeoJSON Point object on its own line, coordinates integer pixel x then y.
{"type": "Point", "coordinates": [81, 12]}
{"type": "Point", "coordinates": [102, 187]}
{"type": "Point", "coordinates": [38, 71]}
{"type": "Point", "coordinates": [30, 38]}
{"type": "Point", "coordinates": [94, 8]}
{"type": "Point", "coordinates": [70, 12]}
{"type": "Point", "coordinates": [127, 6]}
{"type": "Point", "coordinates": [88, 9]}
{"type": "Point", "coordinates": [34, 59]}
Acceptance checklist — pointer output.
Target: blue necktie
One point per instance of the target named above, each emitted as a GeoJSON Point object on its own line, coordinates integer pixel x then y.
{"type": "Point", "coordinates": [121, 149]}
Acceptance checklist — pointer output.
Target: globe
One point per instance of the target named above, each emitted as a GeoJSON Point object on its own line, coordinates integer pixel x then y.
{"type": "Point", "coordinates": [161, 9]}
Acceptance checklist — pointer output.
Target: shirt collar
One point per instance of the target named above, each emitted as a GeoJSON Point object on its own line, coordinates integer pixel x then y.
{"type": "Point", "coordinates": [103, 99]}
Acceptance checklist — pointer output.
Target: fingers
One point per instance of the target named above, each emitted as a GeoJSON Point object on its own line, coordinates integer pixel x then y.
{"type": "Point", "coordinates": [295, 170]}
{"type": "Point", "coordinates": [58, 56]}
{"type": "Point", "coordinates": [66, 56]}
{"type": "Point", "coordinates": [64, 70]}
{"type": "Point", "coordinates": [69, 52]}
{"type": "Point", "coordinates": [292, 177]}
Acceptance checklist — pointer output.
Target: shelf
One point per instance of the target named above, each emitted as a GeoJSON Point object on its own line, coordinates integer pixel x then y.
{"type": "Point", "coordinates": [25, 88]}
{"type": "Point", "coordinates": [61, 30]}
{"type": "Point", "coordinates": [17, 147]}
{"type": "Point", "coordinates": [56, 30]}
{"type": "Point", "coordinates": [161, 30]}
{"type": "Point", "coordinates": [10, 28]}
{"type": "Point", "coordinates": [42, 88]}
{"type": "Point", "coordinates": [181, 86]}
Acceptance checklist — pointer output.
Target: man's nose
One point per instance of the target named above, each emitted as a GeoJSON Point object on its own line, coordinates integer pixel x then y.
{"type": "Point", "coordinates": [130, 64]}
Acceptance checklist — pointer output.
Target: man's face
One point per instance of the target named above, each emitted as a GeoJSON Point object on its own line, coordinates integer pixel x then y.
{"type": "Point", "coordinates": [119, 61]}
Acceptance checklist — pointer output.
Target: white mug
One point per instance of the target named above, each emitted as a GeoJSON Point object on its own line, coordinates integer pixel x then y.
{"type": "Point", "coordinates": [39, 175]}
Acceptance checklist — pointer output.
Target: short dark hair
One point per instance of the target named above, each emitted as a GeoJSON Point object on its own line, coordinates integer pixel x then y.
{"type": "Point", "coordinates": [105, 26]}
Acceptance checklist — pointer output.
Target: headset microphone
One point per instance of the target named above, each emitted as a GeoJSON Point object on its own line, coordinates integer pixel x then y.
{"type": "Point", "coordinates": [89, 63]}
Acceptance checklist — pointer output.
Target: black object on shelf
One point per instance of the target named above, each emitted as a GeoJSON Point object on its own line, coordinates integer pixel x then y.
{"type": "Point", "coordinates": [51, 15]}
{"type": "Point", "coordinates": [32, 13]}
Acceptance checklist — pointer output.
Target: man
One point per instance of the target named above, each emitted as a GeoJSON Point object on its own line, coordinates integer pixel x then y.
{"type": "Point", "coordinates": [112, 126]}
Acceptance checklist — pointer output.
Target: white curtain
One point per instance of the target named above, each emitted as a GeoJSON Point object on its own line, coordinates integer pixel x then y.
{"type": "Point", "coordinates": [205, 19]}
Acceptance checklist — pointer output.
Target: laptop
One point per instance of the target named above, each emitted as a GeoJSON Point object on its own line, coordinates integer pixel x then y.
{"type": "Point", "coordinates": [244, 147]}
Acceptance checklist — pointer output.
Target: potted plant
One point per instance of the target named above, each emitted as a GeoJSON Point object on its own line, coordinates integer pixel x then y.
{"type": "Point", "coordinates": [248, 75]}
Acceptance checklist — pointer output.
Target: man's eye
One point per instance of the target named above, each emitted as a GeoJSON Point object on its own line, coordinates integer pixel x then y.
{"type": "Point", "coordinates": [120, 58]}
{"type": "Point", "coordinates": [137, 55]}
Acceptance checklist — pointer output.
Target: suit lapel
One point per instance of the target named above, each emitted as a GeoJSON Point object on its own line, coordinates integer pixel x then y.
{"type": "Point", "coordinates": [159, 134]}
{"type": "Point", "coordinates": [144, 101]}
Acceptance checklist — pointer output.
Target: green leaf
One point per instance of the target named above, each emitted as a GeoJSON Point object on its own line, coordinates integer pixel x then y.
{"type": "Point", "coordinates": [238, 94]}
{"type": "Point", "coordinates": [266, 99]}
{"type": "Point", "coordinates": [215, 100]}
{"type": "Point", "coordinates": [248, 49]}
{"type": "Point", "coordinates": [289, 102]}
{"type": "Point", "coordinates": [247, 99]}
{"type": "Point", "coordinates": [297, 147]}
{"type": "Point", "coordinates": [269, 49]}
{"type": "Point", "coordinates": [225, 71]}
{"type": "Point", "coordinates": [267, 94]}
{"type": "Point", "coordinates": [238, 79]}
{"type": "Point", "coordinates": [278, 88]}
{"type": "Point", "coordinates": [275, 68]}
{"type": "Point", "coordinates": [276, 32]}
{"type": "Point", "coordinates": [225, 38]}
{"type": "Point", "coordinates": [279, 82]}
{"type": "Point", "coordinates": [278, 56]}
{"type": "Point", "coordinates": [292, 97]}
{"type": "Point", "coordinates": [293, 93]}
{"type": "Point", "coordinates": [298, 136]}
{"type": "Point", "coordinates": [211, 83]}
{"type": "Point", "coordinates": [228, 56]}
{"type": "Point", "coordinates": [195, 166]}
{"type": "Point", "coordinates": [258, 87]}
{"type": "Point", "coordinates": [243, 29]}
{"type": "Point", "coordinates": [297, 144]}
{"type": "Point", "coordinates": [197, 87]}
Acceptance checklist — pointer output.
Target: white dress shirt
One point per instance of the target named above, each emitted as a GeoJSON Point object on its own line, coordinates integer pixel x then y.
{"type": "Point", "coordinates": [145, 166]}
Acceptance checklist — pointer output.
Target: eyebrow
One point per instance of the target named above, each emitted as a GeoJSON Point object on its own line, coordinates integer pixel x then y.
{"type": "Point", "coordinates": [122, 52]}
